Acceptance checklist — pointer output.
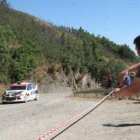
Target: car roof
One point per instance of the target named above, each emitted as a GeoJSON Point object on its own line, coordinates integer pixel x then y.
{"type": "Point", "coordinates": [20, 84]}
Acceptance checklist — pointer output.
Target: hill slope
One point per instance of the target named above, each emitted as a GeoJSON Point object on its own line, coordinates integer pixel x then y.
{"type": "Point", "coordinates": [31, 49]}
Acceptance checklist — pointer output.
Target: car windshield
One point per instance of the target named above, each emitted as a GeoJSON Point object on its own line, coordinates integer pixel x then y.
{"type": "Point", "coordinates": [17, 88]}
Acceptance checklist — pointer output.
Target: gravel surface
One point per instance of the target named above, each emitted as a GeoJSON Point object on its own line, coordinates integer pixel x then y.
{"type": "Point", "coordinates": [113, 120]}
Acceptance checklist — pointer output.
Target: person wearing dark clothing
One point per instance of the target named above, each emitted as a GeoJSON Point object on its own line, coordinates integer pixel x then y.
{"type": "Point", "coordinates": [109, 82]}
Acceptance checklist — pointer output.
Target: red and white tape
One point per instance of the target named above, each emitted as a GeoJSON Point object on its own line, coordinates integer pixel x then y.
{"type": "Point", "coordinates": [63, 126]}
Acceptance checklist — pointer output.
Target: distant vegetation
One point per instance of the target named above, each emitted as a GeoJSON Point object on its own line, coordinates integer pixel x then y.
{"type": "Point", "coordinates": [27, 43]}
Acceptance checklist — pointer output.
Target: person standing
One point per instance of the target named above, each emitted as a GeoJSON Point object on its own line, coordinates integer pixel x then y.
{"type": "Point", "coordinates": [109, 81]}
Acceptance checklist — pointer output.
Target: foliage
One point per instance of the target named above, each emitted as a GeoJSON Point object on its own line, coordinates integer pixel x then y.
{"type": "Point", "coordinates": [16, 62]}
{"type": "Point", "coordinates": [25, 42]}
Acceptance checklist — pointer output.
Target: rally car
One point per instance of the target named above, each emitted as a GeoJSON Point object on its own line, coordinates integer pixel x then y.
{"type": "Point", "coordinates": [21, 92]}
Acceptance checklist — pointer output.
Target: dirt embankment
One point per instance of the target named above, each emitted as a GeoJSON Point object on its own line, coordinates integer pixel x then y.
{"type": "Point", "coordinates": [53, 76]}
{"type": "Point", "coordinates": [2, 88]}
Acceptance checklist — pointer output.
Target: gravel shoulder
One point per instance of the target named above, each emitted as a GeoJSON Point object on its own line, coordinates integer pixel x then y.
{"type": "Point", "coordinates": [114, 119]}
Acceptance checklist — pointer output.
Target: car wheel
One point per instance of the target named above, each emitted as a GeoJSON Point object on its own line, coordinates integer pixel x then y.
{"type": "Point", "coordinates": [26, 99]}
{"type": "Point", "coordinates": [37, 98]}
{"type": "Point", "coordinates": [3, 102]}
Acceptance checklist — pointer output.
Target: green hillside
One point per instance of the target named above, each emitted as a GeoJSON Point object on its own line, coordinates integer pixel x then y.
{"type": "Point", "coordinates": [31, 49]}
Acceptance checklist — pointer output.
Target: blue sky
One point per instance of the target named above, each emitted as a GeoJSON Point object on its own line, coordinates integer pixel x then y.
{"type": "Point", "coordinates": [117, 20]}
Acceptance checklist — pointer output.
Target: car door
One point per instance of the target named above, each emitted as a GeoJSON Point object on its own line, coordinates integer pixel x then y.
{"type": "Point", "coordinates": [34, 91]}
{"type": "Point", "coordinates": [30, 91]}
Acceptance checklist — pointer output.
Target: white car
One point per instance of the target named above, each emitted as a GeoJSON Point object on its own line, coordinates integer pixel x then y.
{"type": "Point", "coordinates": [21, 92]}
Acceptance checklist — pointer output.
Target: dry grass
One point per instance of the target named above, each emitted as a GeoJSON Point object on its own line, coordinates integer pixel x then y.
{"type": "Point", "coordinates": [2, 88]}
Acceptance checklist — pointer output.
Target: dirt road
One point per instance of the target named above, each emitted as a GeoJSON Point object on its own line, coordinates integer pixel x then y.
{"type": "Point", "coordinates": [113, 120]}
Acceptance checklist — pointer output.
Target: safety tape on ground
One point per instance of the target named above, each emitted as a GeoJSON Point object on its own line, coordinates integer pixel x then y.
{"type": "Point", "coordinates": [63, 126]}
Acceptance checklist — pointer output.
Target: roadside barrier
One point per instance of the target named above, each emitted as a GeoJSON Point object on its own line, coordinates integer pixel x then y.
{"type": "Point", "coordinates": [53, 133]}
{"type": "Point", "coordinates": [93, 91]}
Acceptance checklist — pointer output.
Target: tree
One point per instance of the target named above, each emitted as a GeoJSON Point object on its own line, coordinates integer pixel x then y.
{"type": "Point", "coordinates": [4, 2]}
{"type": "Point", "coordinates": [125, 52]}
